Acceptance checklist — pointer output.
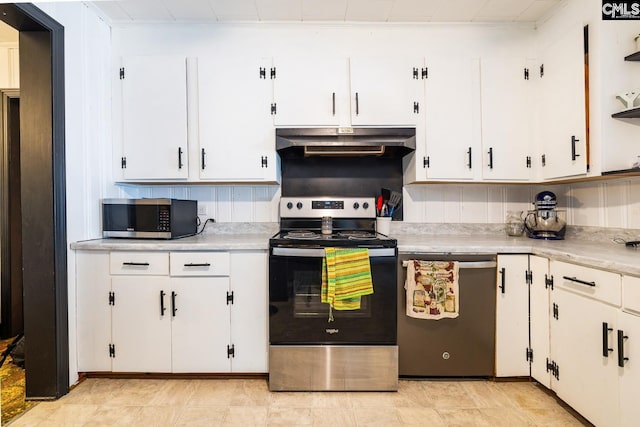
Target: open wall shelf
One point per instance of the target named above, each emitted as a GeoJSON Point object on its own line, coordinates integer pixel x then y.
{"type": "Point", "coordinates": [627, 114]}
{"type": "Point", "coordinates": [633, 57]}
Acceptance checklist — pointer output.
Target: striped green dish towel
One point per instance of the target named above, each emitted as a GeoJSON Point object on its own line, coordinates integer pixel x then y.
{"type": "Point", "coordinates": [346, 276]}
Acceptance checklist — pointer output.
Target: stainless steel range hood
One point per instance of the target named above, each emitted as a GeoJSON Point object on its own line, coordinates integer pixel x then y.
{"type": "Point", "coordinates": [346, 141]}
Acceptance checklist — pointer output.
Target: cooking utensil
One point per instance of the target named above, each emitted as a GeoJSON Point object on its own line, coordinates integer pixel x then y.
{"type": "Point", "coordinates": [394, 201]}
{"type": "Point", "coordinates": [379, 206]}
{"type": "Point", "coordinates": [386, 194]}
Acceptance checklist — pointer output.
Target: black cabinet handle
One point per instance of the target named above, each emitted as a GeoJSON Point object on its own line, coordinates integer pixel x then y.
{"type": "Point", "coordinates": [202, 162]}
{"type": "Point", "coordinates": [502, 286]}
{"type": "Point", "coordinates": [605, 339]}
{"type": "Point", "coordinates": [162, 307]}
{"type": "Point", "coordinates": [205, 264]}
{"type": "Point", "coordinates": [357, 105]}
{"type": "Point", "coordinates": [582, 282]}
{"type": "Point", "coordinates": [136, 264]}
{"type": "Point", "coordinates": [173, 304]}
{"type": "Point", "coordinates": [333, 101]}
{"type": "Point", "coordinates": [573, 147]}
{"type": "Point", "coordinates": [469, 157]}
{"type": "Point", "coordinates": [179, 157]}
{"type": "Point", "coordinates": [491, 158]}
{"type": "Point", "coordinates": [621, 358]}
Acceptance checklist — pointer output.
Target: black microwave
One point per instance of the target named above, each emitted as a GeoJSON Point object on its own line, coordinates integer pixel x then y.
{"type": "Point", "coordinates": [149, 218]}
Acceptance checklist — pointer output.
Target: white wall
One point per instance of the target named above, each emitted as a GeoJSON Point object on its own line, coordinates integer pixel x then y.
{"type": "Point", "coordinates": [612, 203]}
{"type": "Point", "coordinates": [87, 127]}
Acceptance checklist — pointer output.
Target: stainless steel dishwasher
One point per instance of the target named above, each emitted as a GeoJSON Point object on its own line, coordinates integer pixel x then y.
{"type": "Point", "coordinates": [459, 347]}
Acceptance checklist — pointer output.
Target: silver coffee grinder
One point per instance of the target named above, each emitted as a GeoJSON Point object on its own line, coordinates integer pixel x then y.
{"type": "Point", "coordinates": [546, 222]}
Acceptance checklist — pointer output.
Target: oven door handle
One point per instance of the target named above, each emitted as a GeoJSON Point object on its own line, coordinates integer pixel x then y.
{"type": "Point", "coordinates": [319, 252]}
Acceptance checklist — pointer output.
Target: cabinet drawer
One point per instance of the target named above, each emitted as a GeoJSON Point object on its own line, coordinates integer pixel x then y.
{"type": "Point", "coordinates": [598, 284]}
{"type": "Point", "coordinates": [139, 263]}
{"type": "Point", "coordinates": [631, 294]}
{"type": "Point", "coordinates": [200, 263]}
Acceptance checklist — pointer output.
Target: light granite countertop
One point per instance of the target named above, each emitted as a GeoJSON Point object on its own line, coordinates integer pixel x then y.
{"type": "Point", "coordinates": [590, 248]}
{"type": "Point", "coordinates": [605, 255]}
{"type": "Point", "coordinates": [201, 242]}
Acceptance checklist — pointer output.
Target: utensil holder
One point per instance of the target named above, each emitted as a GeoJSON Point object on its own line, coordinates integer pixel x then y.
{"type": "Point", "coordinates": [383, 225]}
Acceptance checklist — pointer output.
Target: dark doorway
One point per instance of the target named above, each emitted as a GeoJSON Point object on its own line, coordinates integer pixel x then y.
{"type": "Point", "coordinates": [11, 323]}
{"type": "Point", "coordinates": [43, 205]}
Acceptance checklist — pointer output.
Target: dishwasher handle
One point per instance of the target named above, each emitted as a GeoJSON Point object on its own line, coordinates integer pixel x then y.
{"type": "Point", "coordinates": [476, 264]}
{"type": "Point", "coordinates": [464, 265]}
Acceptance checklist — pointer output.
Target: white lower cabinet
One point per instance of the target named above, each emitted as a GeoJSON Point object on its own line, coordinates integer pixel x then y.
{"type": "Point", "coordinates": [249, 315]}
{"type": "Point", "coordinates": [93, 312]}
{"type": "Point", "coordinates": [539, 288]}
{"type": "Point", "coordinates": [200, 329]}
{"type": "Point", "coordinates": [182, 312]}
{"type": "Point", "coordinates": [140, 328]}
{"type": "Point", "coordinates": [628, 351]}
{"type": "Point", "coordinates": [585, 307]}
{"type": "Point", "coordinates": [512, 317]}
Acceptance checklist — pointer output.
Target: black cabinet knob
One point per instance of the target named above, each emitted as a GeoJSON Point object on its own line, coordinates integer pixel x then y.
{"type": "Point", "coordinates": [356, 205]}
{"type": "Point", "coordinates": [299, 205]}
{"type": "Point", "coordinates": [289, 205]}
{"type": "Point", "coordinates": [365, 205]}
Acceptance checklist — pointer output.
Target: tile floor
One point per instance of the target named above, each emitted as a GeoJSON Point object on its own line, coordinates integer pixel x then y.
{"type": "Point", "coordinates": [243, 402]}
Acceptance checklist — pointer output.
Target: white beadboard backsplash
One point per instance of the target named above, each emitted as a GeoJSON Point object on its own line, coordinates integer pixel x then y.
{"type": "Point", "coordinates": [610, 203]}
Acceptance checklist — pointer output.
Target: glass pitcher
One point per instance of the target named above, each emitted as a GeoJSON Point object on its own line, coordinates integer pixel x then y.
{"type": "Point", "coordinates": [514, 223]}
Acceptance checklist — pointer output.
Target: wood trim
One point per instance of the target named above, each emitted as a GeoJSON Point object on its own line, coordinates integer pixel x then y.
{"type": "Point", "coordinates": [41, 43]}
{"type": "Point", "coordinates": [10, 226]}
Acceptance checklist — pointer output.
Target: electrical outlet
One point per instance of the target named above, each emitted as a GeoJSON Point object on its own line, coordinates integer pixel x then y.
{"type": "Point", "coordinates": [202, 209]}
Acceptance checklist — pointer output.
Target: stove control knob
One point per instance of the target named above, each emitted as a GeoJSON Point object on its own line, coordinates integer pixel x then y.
{"type": "Point", "coordinates": [289, 205]}
{"type": "Point", "coordinates": [356, 205]}
{"type": "Point", "coordinates": [299, 205]}
{"type": "Point", "coordinates": [365, 205]}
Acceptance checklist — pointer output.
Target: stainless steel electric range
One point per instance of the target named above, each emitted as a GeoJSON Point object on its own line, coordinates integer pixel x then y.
{"type": "Point", "coordinates": [311, 346]}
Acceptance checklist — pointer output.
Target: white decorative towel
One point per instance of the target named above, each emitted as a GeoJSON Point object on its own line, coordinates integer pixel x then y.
{"type": "Point", "coordinates": [432, 289]}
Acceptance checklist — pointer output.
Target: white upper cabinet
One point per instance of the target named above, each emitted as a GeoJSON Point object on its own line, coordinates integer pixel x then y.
{"type": "Point", "coordinates": [236, 134]}
{"type": "Point", "coordinates": [311, 92]}
{"type": "Point", "coordinates": [154, 118]}
{"type": "Point", "coordinates": [452, 116]}
{"type": "Point", "coordinates": [386, 91]}
{"type": "Point", "coordinates": [506, 119]}
{"type": "Point", "coordinates": [347, 92]}
{"type": "Point", "coordinates": [562, 106]}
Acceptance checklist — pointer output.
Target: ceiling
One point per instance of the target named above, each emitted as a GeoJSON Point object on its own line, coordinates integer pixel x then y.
{"type": "Point", "coordinates": [133, 11]}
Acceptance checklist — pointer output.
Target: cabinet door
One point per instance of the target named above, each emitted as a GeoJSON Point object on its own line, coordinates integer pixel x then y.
{"type": "Point", "coordinates": [629, 326]}
{"type": "Point", "coordinates": [141, 330]}
{"type": "Point", "coordinates": [587, 379]}
{"type": "Point", "coordinates": [199, 324]}
{"type": "Point", "coordinates": [562, 103]}
{"type": "Point", "coordinates": [506, 119]}
{"type": "Point", "coordinates": [452, 110]}
{"type": "Point", "coordinates": [512, 316]}
{"type": "Point", "coordinates": [312, 92]}
{"type": "Point", "coordinates": [384, 91]}
{"type": "Point", "coordinates": [154, 117]}
{"type": "Point", "coordinates": [249, 317]}
{"type": "Point", "coordinates": [93, 311]}
{"type": "Point", "coordinates": [539, 319]}
{"type": "Point", "coordinates": [237, 138]}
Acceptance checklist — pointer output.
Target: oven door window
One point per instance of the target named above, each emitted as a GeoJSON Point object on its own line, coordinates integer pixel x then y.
{"type": "Point", "coordinates": [298, 316]}
{"type": "Point", "coordinates": [307, 300]}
